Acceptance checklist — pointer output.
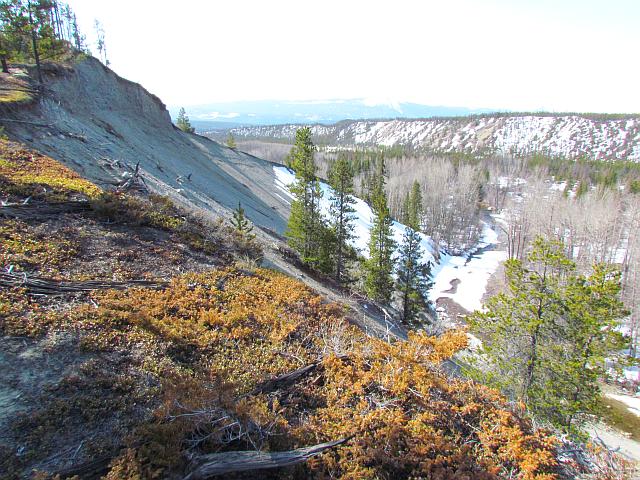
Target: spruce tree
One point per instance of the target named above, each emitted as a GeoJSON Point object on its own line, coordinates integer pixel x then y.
{"type": "Point", "coordinates": [413, 275]}
{"type": "Point", "coordinates": [341, 213]}
{"type": "Point", "coordinates": [305, 227]}
{"type": "Point", "coordinates": [379, 266]}
{"type": "Point", "coordinates": [412, 207]}
{"type": "Point", "coordinates": [182, 122]}
{"type": "Point", "coordinates": [241, 223]}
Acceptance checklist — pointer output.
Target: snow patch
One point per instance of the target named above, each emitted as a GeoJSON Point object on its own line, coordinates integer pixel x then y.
{"type": "Point", "coordinates": [472, 270]}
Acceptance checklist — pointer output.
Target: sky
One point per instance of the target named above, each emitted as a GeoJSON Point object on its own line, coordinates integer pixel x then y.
{"type": "Point", "coordinates": [522, 55]}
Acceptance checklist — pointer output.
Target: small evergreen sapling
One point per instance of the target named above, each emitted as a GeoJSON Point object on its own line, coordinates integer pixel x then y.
{"type": "Point", "coordinates": [241, 224]}
{"type": "Point", "coordinates": [231, 142]}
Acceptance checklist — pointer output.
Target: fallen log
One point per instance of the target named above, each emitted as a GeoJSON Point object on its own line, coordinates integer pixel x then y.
{"type": "Point", "coordinates": [285, 379]}
{"type": "Point", "coordinates": [45, 286]}
{"type": "Point", "coordinates": [289, 378]}
{"type": "Point", "coordinates": [38, 210]}
{"type": "Point", "coordinates": [229, 462]}
{"type": "Point", "coordinates": [88, 469]}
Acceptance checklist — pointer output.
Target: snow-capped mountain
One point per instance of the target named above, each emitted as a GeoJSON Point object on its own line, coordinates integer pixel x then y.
{"type": "Point", "coordinates": [571, 135]}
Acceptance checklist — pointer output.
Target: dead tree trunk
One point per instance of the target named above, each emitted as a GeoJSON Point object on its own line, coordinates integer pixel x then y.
{"type": "Point", "coordinates": [222, 463]}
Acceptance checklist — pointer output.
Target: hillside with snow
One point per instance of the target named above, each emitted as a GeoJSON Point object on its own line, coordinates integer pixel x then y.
{"type": "Point", "coordinates": [570, 136]}
{"type": "Point", "coordinates": [462, 278]}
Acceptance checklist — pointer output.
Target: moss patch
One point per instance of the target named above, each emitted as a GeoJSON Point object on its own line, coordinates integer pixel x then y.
{"type": "Point", "coordinates": [617, 414]}
{"type": "Point", "coordinates": [25, 173]}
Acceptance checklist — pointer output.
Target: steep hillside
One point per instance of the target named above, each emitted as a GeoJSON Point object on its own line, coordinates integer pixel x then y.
{"type": "Point", "coordinates": [140, 340]}
{"type": "Point", "coordinates": [101, 126]}
{"type": "Point", "coordinates": [133, 347]}
{"type": "Point", "coordinates": [569, 136]}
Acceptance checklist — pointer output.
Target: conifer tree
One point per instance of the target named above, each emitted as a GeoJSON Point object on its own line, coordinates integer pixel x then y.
{"type": "Point", "coordinates": [241, 223]}
{"type": "Point", "coordinates": [231, 142]}
{"type": "Point", "coordinates": [412, 208]}
{"type": "Point", "coordinates": [305, 227]}
{"type": "Point", "coordinates": [341, 213]}
{"type": "Point", "coordinates": [183, 122]}
{"type": "Point", "coordinates": [379, 266]}
{"type": "Point", "coordinates": [546, 337]}
{"type": "Point", "coordinates": [413, 275]}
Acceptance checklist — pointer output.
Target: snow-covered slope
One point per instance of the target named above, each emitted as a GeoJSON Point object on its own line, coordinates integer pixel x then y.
{"type": "Point", "coordinates": [472, 270]}
{"type": "Point", "coordinates": [568, 136]}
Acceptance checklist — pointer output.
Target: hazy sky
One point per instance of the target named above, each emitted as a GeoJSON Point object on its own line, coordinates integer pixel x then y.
{"type": "Point", "coordinates": [559, 55]}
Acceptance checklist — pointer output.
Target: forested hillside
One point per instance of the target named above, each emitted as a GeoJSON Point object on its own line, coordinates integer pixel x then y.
{"type": "Point", "coordinates": [564, 135]}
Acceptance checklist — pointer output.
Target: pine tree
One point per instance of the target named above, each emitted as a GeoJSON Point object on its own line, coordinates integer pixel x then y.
{"type": "Point", "coordinates": [183, 122]}
{"type": "Point", "coordinates": [241, 223]}
{"type": "Point", "coordinates": [547, 336]}
{"type": "Point", "coordinates": [231, 142]}
{"type": "Point", "coordinates": [413, 275]}
{"type": "Point", "coordinates": [379, 266]}
{"type": "Point", "coordinates": [305, 227]}
{"type": "Point", "coordinates": [586, 335]}
{"type": "Point", "coordinates": [341, 213]}
{"type": "Point", "coordinates": [412, 207]}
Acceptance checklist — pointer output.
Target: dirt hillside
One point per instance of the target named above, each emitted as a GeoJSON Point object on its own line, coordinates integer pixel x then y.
{"type": "Point", "coordinates": [102, 125]}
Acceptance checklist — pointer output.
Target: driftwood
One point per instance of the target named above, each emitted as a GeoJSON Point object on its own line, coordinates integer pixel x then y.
{"type": "Point", "coordinates": [46, 286]}
{"type": "Point", "coordinates": [289, 378]}
{"type": "Point", "coordinates": [284, 380]}
{"type": "Point", "coordinates": [38, 210]}
{"type": "Point", "coordinates": [229, 462]}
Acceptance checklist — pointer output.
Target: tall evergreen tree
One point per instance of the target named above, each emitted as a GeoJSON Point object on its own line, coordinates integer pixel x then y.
{"type": "Point", "coordinates": [413, 275]}
{"type": "Point", "coordinates": [412, 208]}
{"type": "Point", "coordinates": [183, 123]}
{"type": "Point", "coordinates": [341, 212]}
{"type": "Point", "coordinates": [305, 227]}
{"type": "Point", "coordinates": [379, 266]}
{"type": "Point", "coordinates": [546, 337]}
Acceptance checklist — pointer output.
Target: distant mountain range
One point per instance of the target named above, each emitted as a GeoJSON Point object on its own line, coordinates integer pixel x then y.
{"type": "Point", "coordinates": [272, 112]}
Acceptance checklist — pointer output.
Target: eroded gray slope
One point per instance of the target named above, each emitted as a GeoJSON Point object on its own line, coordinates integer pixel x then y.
{"type": "Point", "coordinates": [102, 125]}
{"type": "Point", "coordinates": [98, 123]}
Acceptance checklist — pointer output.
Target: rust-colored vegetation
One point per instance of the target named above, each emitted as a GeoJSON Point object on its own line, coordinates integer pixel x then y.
{"type": "Point", "coordinates": [144, 380]}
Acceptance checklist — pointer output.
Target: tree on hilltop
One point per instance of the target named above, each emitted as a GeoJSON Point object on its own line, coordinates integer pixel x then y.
{"type": "Point", "coordinates": [183, 122]}
{"type": "Point", "coordinates": [231, 142]}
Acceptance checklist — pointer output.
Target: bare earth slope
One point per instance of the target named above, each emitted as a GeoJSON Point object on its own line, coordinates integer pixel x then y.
{"type": "Point", "coordinates": [102, 125]}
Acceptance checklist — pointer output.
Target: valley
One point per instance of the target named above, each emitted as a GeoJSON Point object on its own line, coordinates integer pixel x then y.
{"type": "Point", "coordinates": [386, 281]}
